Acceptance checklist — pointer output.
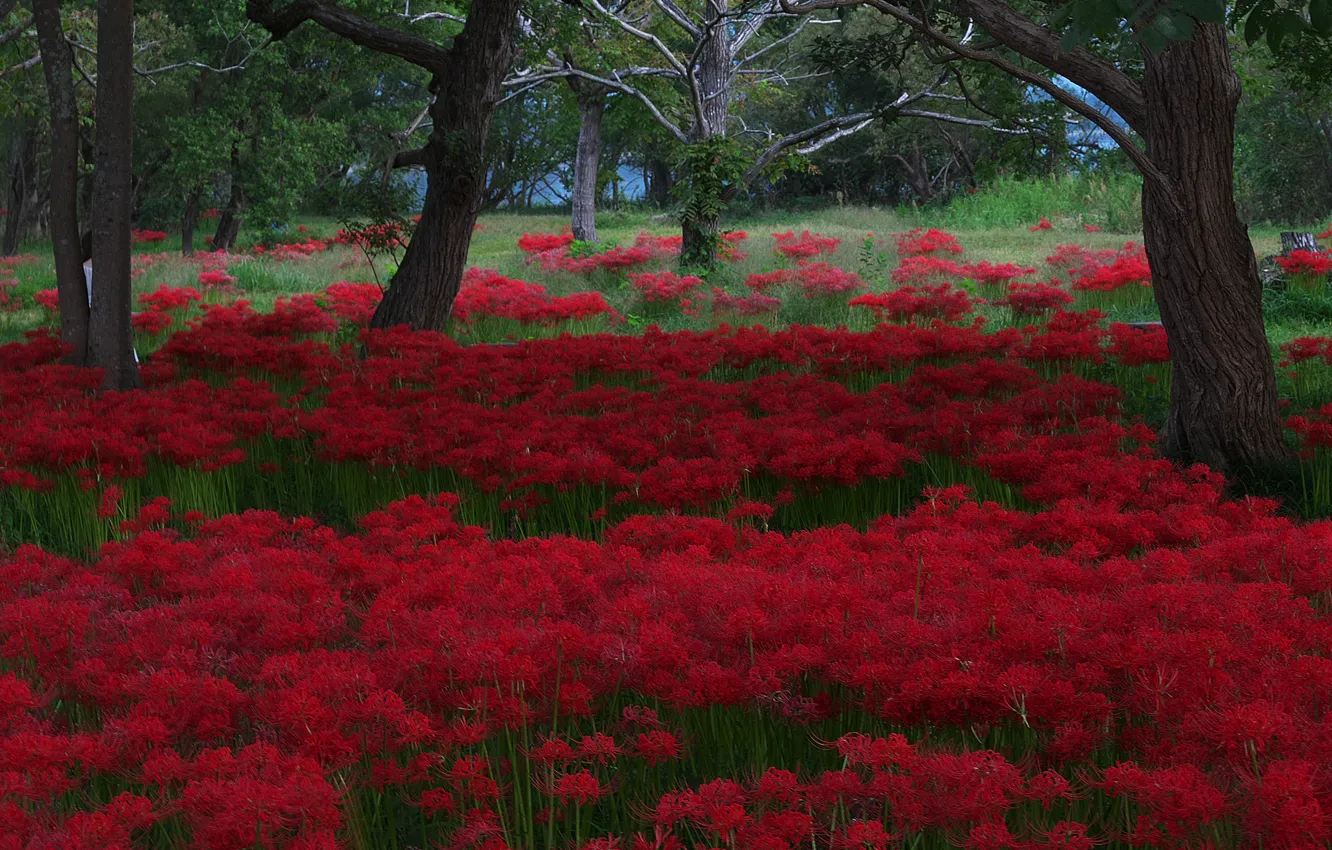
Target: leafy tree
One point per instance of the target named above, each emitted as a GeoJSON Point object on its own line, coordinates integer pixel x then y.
{"type": "Point", "coordinates": [1165, 69]}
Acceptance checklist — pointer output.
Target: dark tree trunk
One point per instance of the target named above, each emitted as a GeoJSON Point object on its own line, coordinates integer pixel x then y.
{"type": "Point", "coordinates": [57, 63]}
{"type": "Point", "coordinates": [661, 181]}
{"type": "Point", "coordinates": [110, 338]}
{"type": "Point", "coordinates": [587, 162]}
{"type": "Point", "coordinates": [1223, 409]}
{"type": "Point", "coordinates": [229, 222]}
{"type": "Point", "coordinates": [422, 291]}
{"type": "Point", "coordinates": [699, 241]}
{"type": "Point", "coordinates": [188, 219]}
{"type": "Point", "coordinates": [23, 184]}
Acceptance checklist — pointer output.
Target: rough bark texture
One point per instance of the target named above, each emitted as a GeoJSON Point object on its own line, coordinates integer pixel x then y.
{"type": "Point", "coordinates": [587, 162]}
{"type": "Point", "coordinates": [699, 241]}
{"type": "Point", "coordinates": [422, 291]}
{"type": "Point", "coordinates": [714, 73]}
{"type": "Point", "coordinates": [1291, 241]}
{"type": "Point", "coordinates": [110, 337]}
{"type": "Point", "coordinates": [1223, 408]}
{"type": "Point", "coordinates": [57, 64]}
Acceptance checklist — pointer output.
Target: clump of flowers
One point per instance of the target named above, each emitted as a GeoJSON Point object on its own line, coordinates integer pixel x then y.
{"type": "Point", "coordinates": [921, 243]}
{"type": "Point", "coordinates": [804, 247]}
{"type": "Point", "coordinates": [1035, 299]}
{"type": "Point", "coordinates": [664, 287]}
{"type": "Point", "coordinates": [910, 303]}
{"type": "Point", "coordinates": [540, 243]}
{"type": "Point", "coordinates": [822, 279]}
{"type": "Point", "coordinates": [354, 303]}
{"type": "Point", "coordinates": [486, 293]}
{"type": "Point", "coordinates": [1307, 270]}
{"type": "Point", "coordinates": [1043, 224]}
{"type": "Point", "coordinates": [138, 237]}
{"type": "Point", "coordinates": [926, 270]}
{"type": "Point", "coordinates": [212, 279]}
{"type": "Point", "coordinates": [763, 281]}
{"type": "Point", "coordinates": [993, 274]}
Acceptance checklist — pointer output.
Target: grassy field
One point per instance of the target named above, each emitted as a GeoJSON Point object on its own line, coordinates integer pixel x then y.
{"type": "Point", "coordinates": [993, 226]}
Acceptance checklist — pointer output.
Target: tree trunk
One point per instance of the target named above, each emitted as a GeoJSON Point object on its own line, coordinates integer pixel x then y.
{"type": "Point", "coordinates": [57, 63]}
{"type": "Point", "coordinates": [24, 180]}
{"type": "Point", "coordinates": [229, 222]}
{"type": "Point", "coordinates": [110, 337]}
{"type": "Point", "coordinates": [188, 219]}
{"type": "Point", "coordinates": [587, 162]}
{"type": "Point", "coordinates": [661, 181]}
{"type": "Point", "coordinates": [699, 243]}
{"type": "Point", "coordinates": [1223, 406]}
{"type": "Point", "coordinates": [422, 291]}
{"type": "Point", "coordinates": [1291, 241]}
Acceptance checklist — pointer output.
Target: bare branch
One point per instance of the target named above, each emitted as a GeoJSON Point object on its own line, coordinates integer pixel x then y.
{"type": "Point", "coordinates": [22, 66]}
{"type": "Point", "coordinates": [6, 37]}
{"type": "Point", "coordinates": [766, 12]}
{"type": "Point", "coordinates": [413, 48]}
{"type": "Point", "coordinates": [667, 54]}
{"type": "Point", "coordinates": [528, 80]}
{"type": "Point", "coordinates": [676, 14]}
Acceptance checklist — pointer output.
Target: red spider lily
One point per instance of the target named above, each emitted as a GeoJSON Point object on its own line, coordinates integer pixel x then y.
{"type": "Point", "coordinates": [744, 306]}
{"type": "Point", "coordinates": [664, 287]}
{"type": "Point", "coordinates": [1035, 299]}
{"type": "Point", "coordinates": [1043, 224]}
{"type": "Point", "coordinates": [910, 303]}
{"type": "Point", "coordinates": [149, 236]}
{"type": "Point", "coordinates": [539, 243]}
{"type": "Point", "coordinates": [805, 246]}
{"type": "Point", "coordinates": [919, 243]}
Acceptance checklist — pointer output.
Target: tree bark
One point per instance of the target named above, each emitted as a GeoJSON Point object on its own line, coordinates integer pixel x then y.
{"type": "Point", "coordinates": [587, 161]}
{"type": "Point", "coordinates": [188, 219]}
{"type": "Point", "coordinates": [58, 65]}
{"type": "Point", "coordinates": [661, 181]}
{"type": "Point", "coordinates": [1223, 409]}
{"type": "Point", "coordinates": [422, 291]}
{"type": "Point", "coordinates": [110, 337]}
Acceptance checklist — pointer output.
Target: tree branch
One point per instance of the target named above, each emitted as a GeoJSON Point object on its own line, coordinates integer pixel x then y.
{"type": "Point", "coordinates": [17, 31]}
{"type": "Point", "coordinates": [22, 66]}
{"type": "Point", "coordinates": [413, 48]}
{"type": "Point", "coordinates": [615, 84]}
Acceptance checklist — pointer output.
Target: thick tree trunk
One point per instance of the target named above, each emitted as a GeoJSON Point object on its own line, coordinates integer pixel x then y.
{"type": "Point", "coordinates": [587, 163]}
{"type": "Point", "coordinates": [57, 63]}
{"type": "Point", "coordinates": [110, 337]}
{"type": "Point", "coordinates": [188, 219]}
{"type": "Point", "coordinates": [714, 84]}
{"type": "Point", "coordinates": [422, 291]}
{"type": "Point", "coordinates": [229, 222]}
{"type": "Point", "coordinates": [1223, 407]}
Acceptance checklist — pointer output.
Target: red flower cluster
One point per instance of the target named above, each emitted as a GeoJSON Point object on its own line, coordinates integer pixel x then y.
{"type": "Point", "coordinates": [1035, 299]}
{"type": "Point", "coordinates": [804, 247]}
{"type": "Point", "coordinates": [540, 243]}
{"type": "Point", "coordinates": [486, 293]}
{"type": "Point", "coordinates": [138, 237]}
{"type": "Point", "coordinates": [1043, 224]}
{"type": "Point", "coordinates": [354, 303]}
{"type": "Point", "coordinates": [664, 287]}
{"type": "Point", "coordinates": [1307, 269]}
{"type": "Point", "coordinates": [919, 243]}
{"type": "Point", "coordinates": [375, 237]}
{"type": "Point", "coordinates": [910, 304]}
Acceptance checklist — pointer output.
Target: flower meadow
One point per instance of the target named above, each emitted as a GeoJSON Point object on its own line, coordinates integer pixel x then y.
{"type": "Point", "coordinates": [556, 580]}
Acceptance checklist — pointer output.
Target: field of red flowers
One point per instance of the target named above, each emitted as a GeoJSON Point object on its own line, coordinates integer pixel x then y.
{"type": "Point", "coordinates": [922, 585]}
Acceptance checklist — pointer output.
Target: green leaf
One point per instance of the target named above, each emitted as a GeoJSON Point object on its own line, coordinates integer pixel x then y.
{"type": "Point", "coordinates": [1320, 15]}
{"type": "Point", "coordinates": [1153, 39]}
{"type": "Point", "coordinates": [1254, 27]}
{"type": "Point", "coordinates": [1175, 27]}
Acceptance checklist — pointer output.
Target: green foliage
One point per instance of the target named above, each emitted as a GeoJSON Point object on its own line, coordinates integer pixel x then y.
{"type": "Point", "coordinates": [710, 168]}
